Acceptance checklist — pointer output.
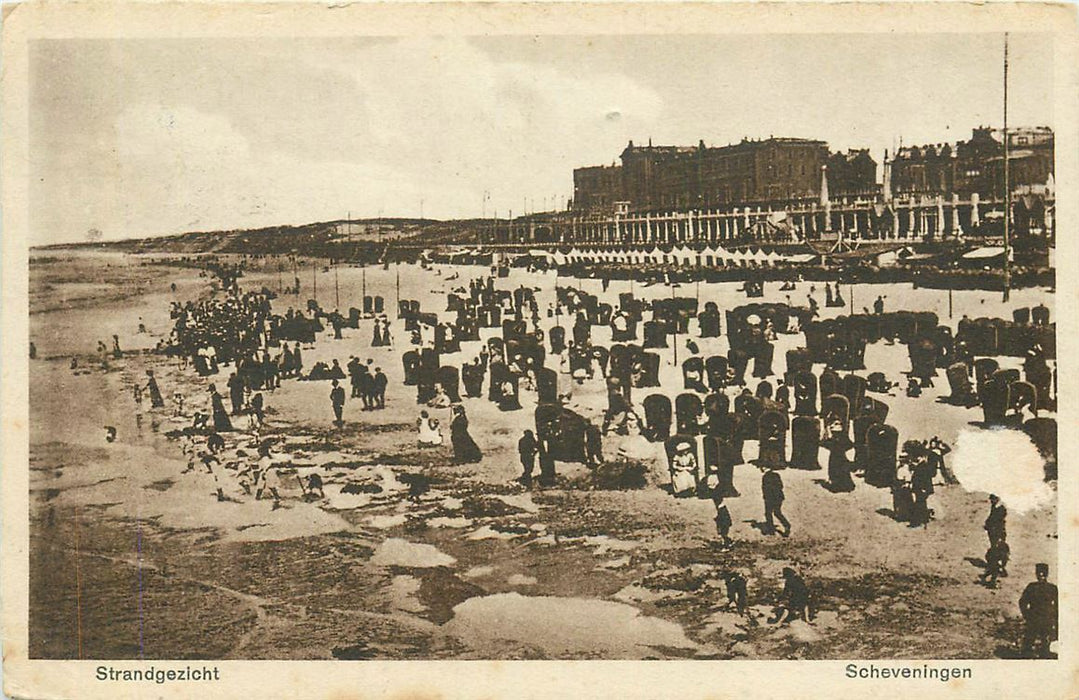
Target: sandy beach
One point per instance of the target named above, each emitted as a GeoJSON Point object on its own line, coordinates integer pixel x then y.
{"type": "Point", "coordinates": [130, 557]}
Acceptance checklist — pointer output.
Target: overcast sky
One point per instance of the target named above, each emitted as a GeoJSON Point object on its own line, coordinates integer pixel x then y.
{"type": "Point", "coordinates": [140, 138]}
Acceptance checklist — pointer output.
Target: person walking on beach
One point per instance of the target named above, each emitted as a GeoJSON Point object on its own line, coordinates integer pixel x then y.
{"type": "Point", "coordinates": [527, 447]}
{"type": "Point", "coordinates": [379, 383]}
{"type": "Point", "coordinates": [155, 393]}
{"type": "Point", "coordinates": [465, 449]}
{"type": "Point", "coordinates": [772, 490]}
{"type": "Point", "coordinates": [921, 483]}
{"type": "Point", "coordinates": [387, 339]}
{"type": "Point", "coordinates": [236, 393]}
{"type": "Point", "coordinates": [353, 368]}
{"type": "Point", "coordinates": [222, 424]}
{"type": "Point", "coordinates": [337, 399]}
{"type": "Point", "coordinates": [367, 388]}
{"type": "Point", "coordinates": [723, 514]}
{"type": "Point", "coordinates": [996, 563]}
{"type": "Point", "coordinates": [996, 522]}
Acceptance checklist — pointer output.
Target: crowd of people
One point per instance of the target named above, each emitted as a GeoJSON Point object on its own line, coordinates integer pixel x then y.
{"type": "Point", "coordinates": [238, 330]}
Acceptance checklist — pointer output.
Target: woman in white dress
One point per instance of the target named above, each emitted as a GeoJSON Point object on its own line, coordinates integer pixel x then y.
{"type": "Point", "coordinates": [430, 435]}
{"type": "Point", "coordinates": [683, 470]}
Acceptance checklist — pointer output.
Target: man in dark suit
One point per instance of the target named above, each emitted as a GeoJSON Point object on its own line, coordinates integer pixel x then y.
{"type": "Point", "coordinates": [996, 523]}
{"type": "Point", "coordinates": [337, 398]}
{"type": "Point", "coordinates": [527, 447]}
{"type": "Point", "coordinates": [380, 381]}
{"type": "Point", "coordinates": [1038, 605]}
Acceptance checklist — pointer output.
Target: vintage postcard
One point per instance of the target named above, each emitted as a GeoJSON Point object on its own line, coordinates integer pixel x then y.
{"type": "Point", "coordinates": [473, 350]}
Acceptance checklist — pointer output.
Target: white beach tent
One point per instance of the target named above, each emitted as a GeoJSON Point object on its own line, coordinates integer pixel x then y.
{"type": "Point", "coordinates": [540, 254]}
{"type": "Point", "coordinates": [754, 257]}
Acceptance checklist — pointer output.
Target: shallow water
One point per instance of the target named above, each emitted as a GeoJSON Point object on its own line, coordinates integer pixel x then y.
{"type": "Point", "coordinates": [564, 626]}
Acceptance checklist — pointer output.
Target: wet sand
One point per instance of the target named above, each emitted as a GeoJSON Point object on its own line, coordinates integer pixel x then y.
{"type": "Point", "coordinates": [131, 558]}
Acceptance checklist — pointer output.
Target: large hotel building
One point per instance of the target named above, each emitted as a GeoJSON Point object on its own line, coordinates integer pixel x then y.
{"type": "Point", "coordinates": [778, 172]}
{"type": "Point", "coordinates": [793, 189]}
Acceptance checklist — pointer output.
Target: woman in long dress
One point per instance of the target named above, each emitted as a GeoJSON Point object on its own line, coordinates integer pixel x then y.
{"type": "Point", "coordinates": [465, 449]}
{"type": "Point", "coordinates": [839, 467]}
{"type": "Point", "coordinates": [429, 433]}
{"type": "Point", "coordinates": [220, 416]}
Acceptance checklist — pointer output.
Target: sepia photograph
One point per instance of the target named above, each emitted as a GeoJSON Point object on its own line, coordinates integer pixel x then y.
{"type": "Point", "coordinates": [609, 343]}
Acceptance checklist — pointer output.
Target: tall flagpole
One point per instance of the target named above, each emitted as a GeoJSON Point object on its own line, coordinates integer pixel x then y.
{"type": "Point", "coordinates": [1007, 184]}
{"type": "Point", "coordinates": [675, 326]}
{"type": "Point", "coordinates": [336, 288]}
